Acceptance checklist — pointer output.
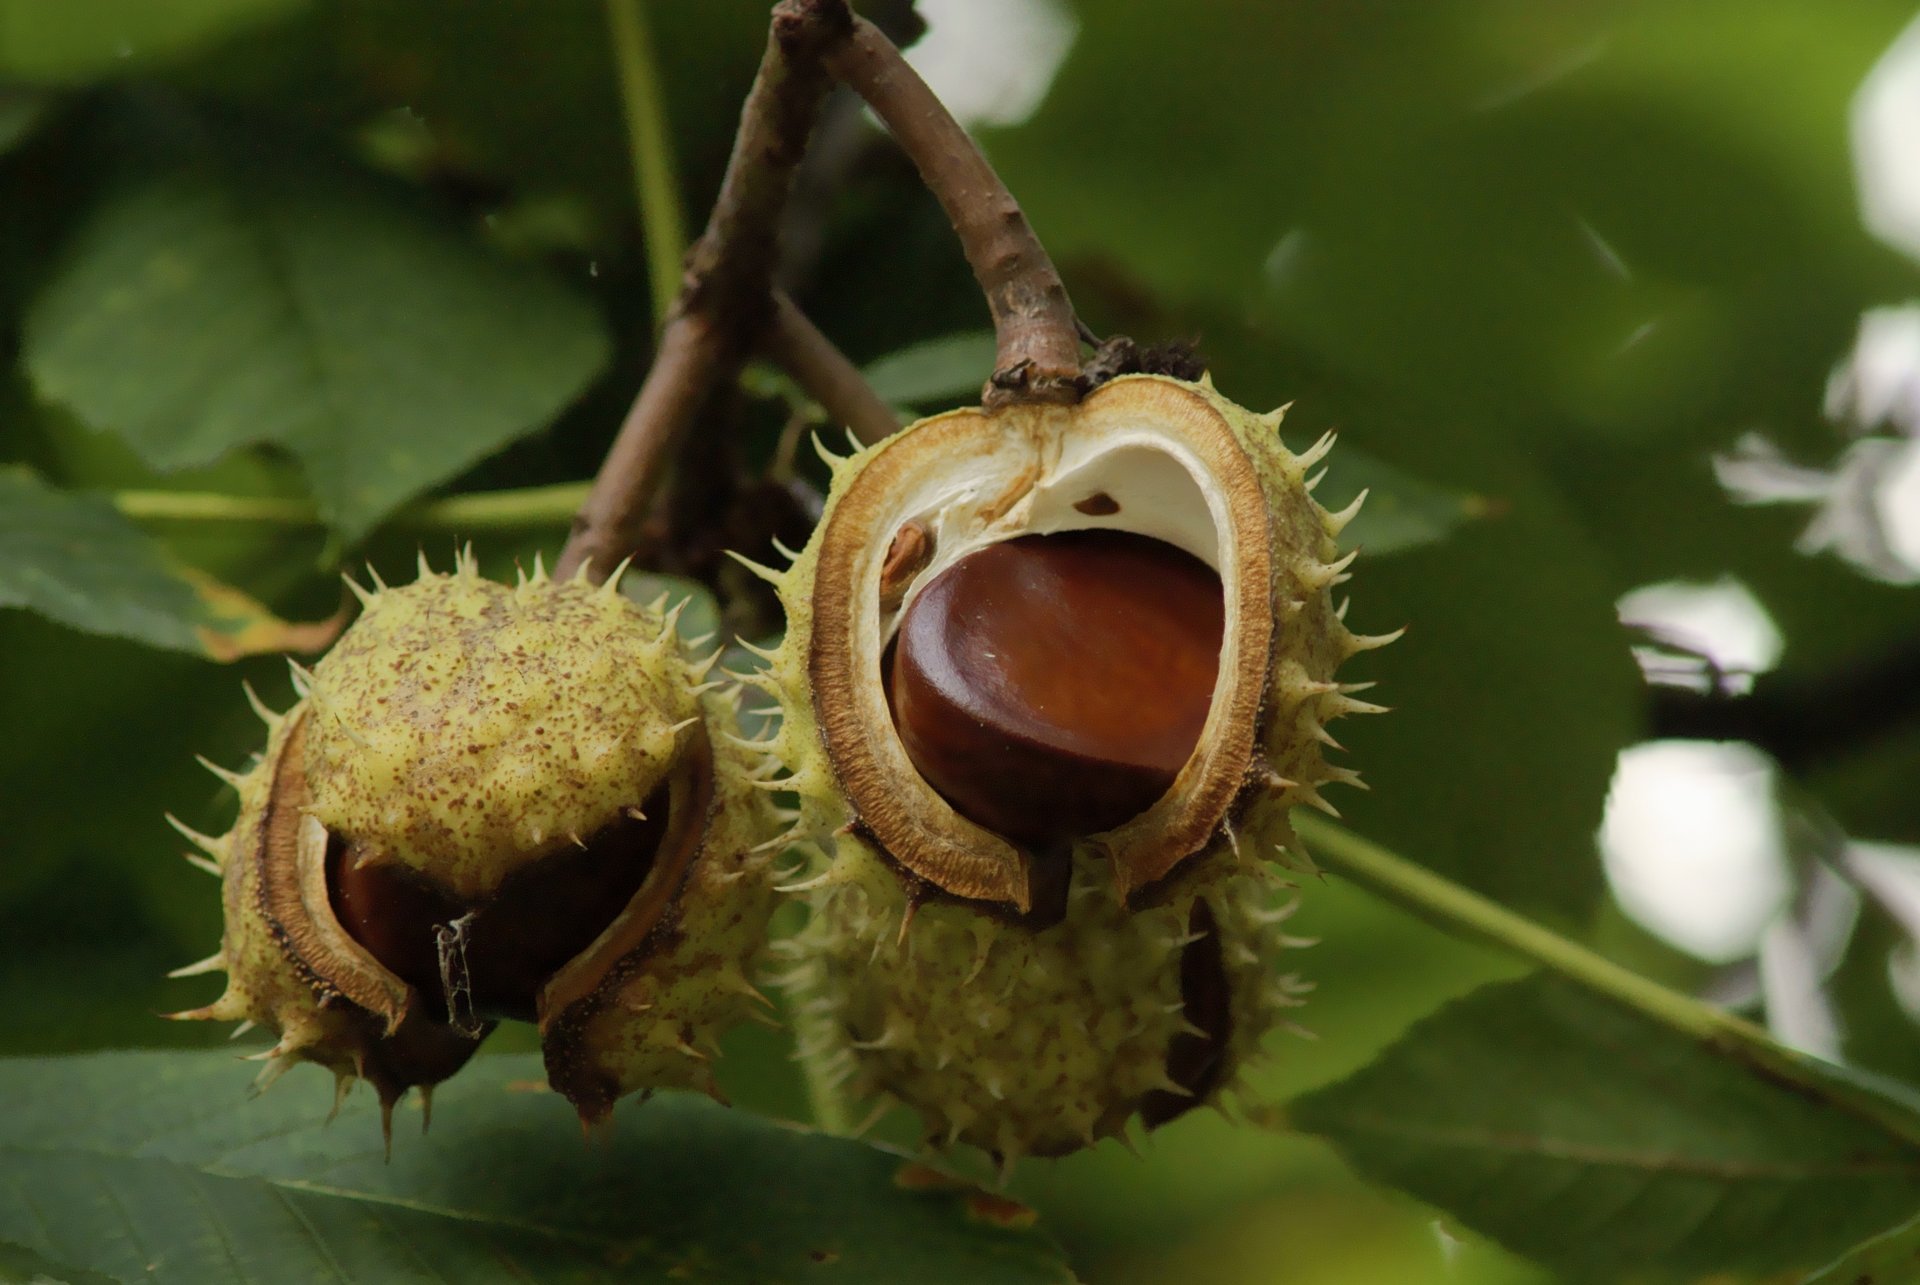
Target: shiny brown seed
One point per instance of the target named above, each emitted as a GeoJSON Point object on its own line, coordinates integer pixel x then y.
{"type": "Point", "coordinates": [488, 960]}
{"type": "Point", "coordinates": [1051, 687]}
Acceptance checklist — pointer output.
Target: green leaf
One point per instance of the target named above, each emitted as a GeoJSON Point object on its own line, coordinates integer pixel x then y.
{"type": "Point", "coordinates": [1667, 287]}
{"type": "Point", "coordinates": [950, 369]}
{"type": "Point", "coordinates": [1889, 1259]}
{"type": "Point", "coordinates": [1514, 668]}
{"type": "Point", "coordinates": [237, 292]}
{"type": "Point", "coordinates": [1591, 1138]}
{"type": "Point", "coordinates": [157, 1166]}
{"type": "Point", "coordinates": [21, 111]}
{"type": "Point", "coordinates": [82, 40]}
{"type": "Point", "coordinates": [75, 559]}
{"type": "Point", "coordinates": [1402, 511]}
{"type": "Point", "coordinates": [21, 1266]}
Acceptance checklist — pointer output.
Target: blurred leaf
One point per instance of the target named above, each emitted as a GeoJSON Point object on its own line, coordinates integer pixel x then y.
{"type": "Point", "coordinates": [1594, 1140]}
{"type": "Point", "coordinates": [946, 371]}
{"type": "Point", "coordinates": [156, 1166]}
{"type": "Point", "coordinates": [1889, 1259]}
{"type": "Point", "coordinates": [21, 1266]}
{"type": "Point", "coordinates": [524, 90]}
{"type": "Point", "coordinates": [75, 559]}
{"type": "Point", "coordinates": [1325, 1235]}
{"type": "Point", "coordinates": [1402, 512]}
{"type": "Point", "coordinates": [82, 40]}
{"type": "Point", "coordinates": [240, 626]}
{"type": "Point", "coordinates": [888, 230]}
{"type": "Point", "coordinates": [20, 111]}
{"type": "Point", "coordinates": [1513, 690]}
{"type": "Point", "coordinates": [1488, 201]}
{"type": "Point", "coordinates": [237, 291]}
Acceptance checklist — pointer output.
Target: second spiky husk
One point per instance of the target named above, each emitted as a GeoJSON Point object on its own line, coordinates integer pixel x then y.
{"type": "Point", "coordinates": [1002, 1019]}
{"type": "Point", "coordinates": [461, 730]}
{"type": "Point", "coordinates": [1027, 1042]}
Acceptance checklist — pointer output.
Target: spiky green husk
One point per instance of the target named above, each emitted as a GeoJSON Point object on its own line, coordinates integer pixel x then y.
{"type": "Point", "coordinates": [658, 1022]}
{"type": "Point", "coordinates": [466, 728]}
{"type": "Point", "coordinates": [1023, 1042]}
{"type": "Point", "coordinates": [268, 982]}
{"type": "Point", "coordinates": [265, 986]}
{"type": "Point", "coordinates": [1065, 1029]}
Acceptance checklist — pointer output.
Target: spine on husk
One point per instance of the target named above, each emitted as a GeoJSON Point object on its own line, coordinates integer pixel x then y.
{"type": "Point", "coordinates": [462, 742]}
{"type": "Point", "coordinates": [1018, 1027]}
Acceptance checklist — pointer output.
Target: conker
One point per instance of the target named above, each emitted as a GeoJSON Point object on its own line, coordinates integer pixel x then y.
{"type": "Point", "coordinates": [498, 802]}
{"type": "Point", "coordinates": [488, 959]}
{"type": "Point", "coordinates": [1052, 686]}
{"type": "Point", "coordinates": [1050, 773]}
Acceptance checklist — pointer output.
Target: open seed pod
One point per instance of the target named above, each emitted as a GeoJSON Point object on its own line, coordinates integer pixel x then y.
{"type": "Point", "coordinates": [497, 803]}
{"type": "Point", "coordinates": [1053, 678]}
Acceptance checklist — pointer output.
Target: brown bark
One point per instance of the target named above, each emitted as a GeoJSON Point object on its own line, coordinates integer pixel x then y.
{"type": "Point", "coordinates": [1038, 355]}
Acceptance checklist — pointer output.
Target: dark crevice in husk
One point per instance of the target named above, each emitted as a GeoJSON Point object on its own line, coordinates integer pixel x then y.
{"type": "Point", "coordinates": [421, 1052]}
{"type": "Point", "coordinates": [1196, 1062]}
{"type": "Point", "coordinates": [649, 922]}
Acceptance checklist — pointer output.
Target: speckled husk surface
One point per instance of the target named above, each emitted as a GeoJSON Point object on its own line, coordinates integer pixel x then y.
{"type": "Point", "coordinates": [466, 729]}
{"type": "Point", "coordinates": [937, 979]}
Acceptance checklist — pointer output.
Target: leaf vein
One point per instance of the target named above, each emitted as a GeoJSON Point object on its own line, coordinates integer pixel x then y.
{"type": "Point", "coordinates": [313, 1233]}
{"type": "Point", "coordinates": [472, 1217]}
{"type": "Point", "coordinates": [126, 1216]}
{"type": "Point", "coordinates": [218, 1223]}
{"type": "Point", "coordinates": [405, 1242]}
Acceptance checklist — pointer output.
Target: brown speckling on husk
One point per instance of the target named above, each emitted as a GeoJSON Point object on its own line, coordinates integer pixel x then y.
{"type": "Point", "coordinates": [1032, 995]}
{"type": "Point", "coordinates": [498, 802]}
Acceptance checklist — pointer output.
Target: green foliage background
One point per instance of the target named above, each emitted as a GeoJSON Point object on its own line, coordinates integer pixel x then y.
{"type": "Point", "coordinates": [340, 259]}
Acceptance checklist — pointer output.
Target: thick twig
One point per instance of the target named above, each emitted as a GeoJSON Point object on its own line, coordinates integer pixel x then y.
{"type": "Point", "coordinates": [826, 374]}
{"type": "Point", "coordinates": [1039, 344]}
{"type": "Point", "coordinates": [610, 524]}
{"type": "Point", "coordinates": [726, 305]}
{"type": "Point", "coordinates": [725, 294]}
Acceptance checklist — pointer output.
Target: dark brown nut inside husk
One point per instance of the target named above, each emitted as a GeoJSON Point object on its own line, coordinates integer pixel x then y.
{"type": "Point", "coordinates": [498, 803]}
